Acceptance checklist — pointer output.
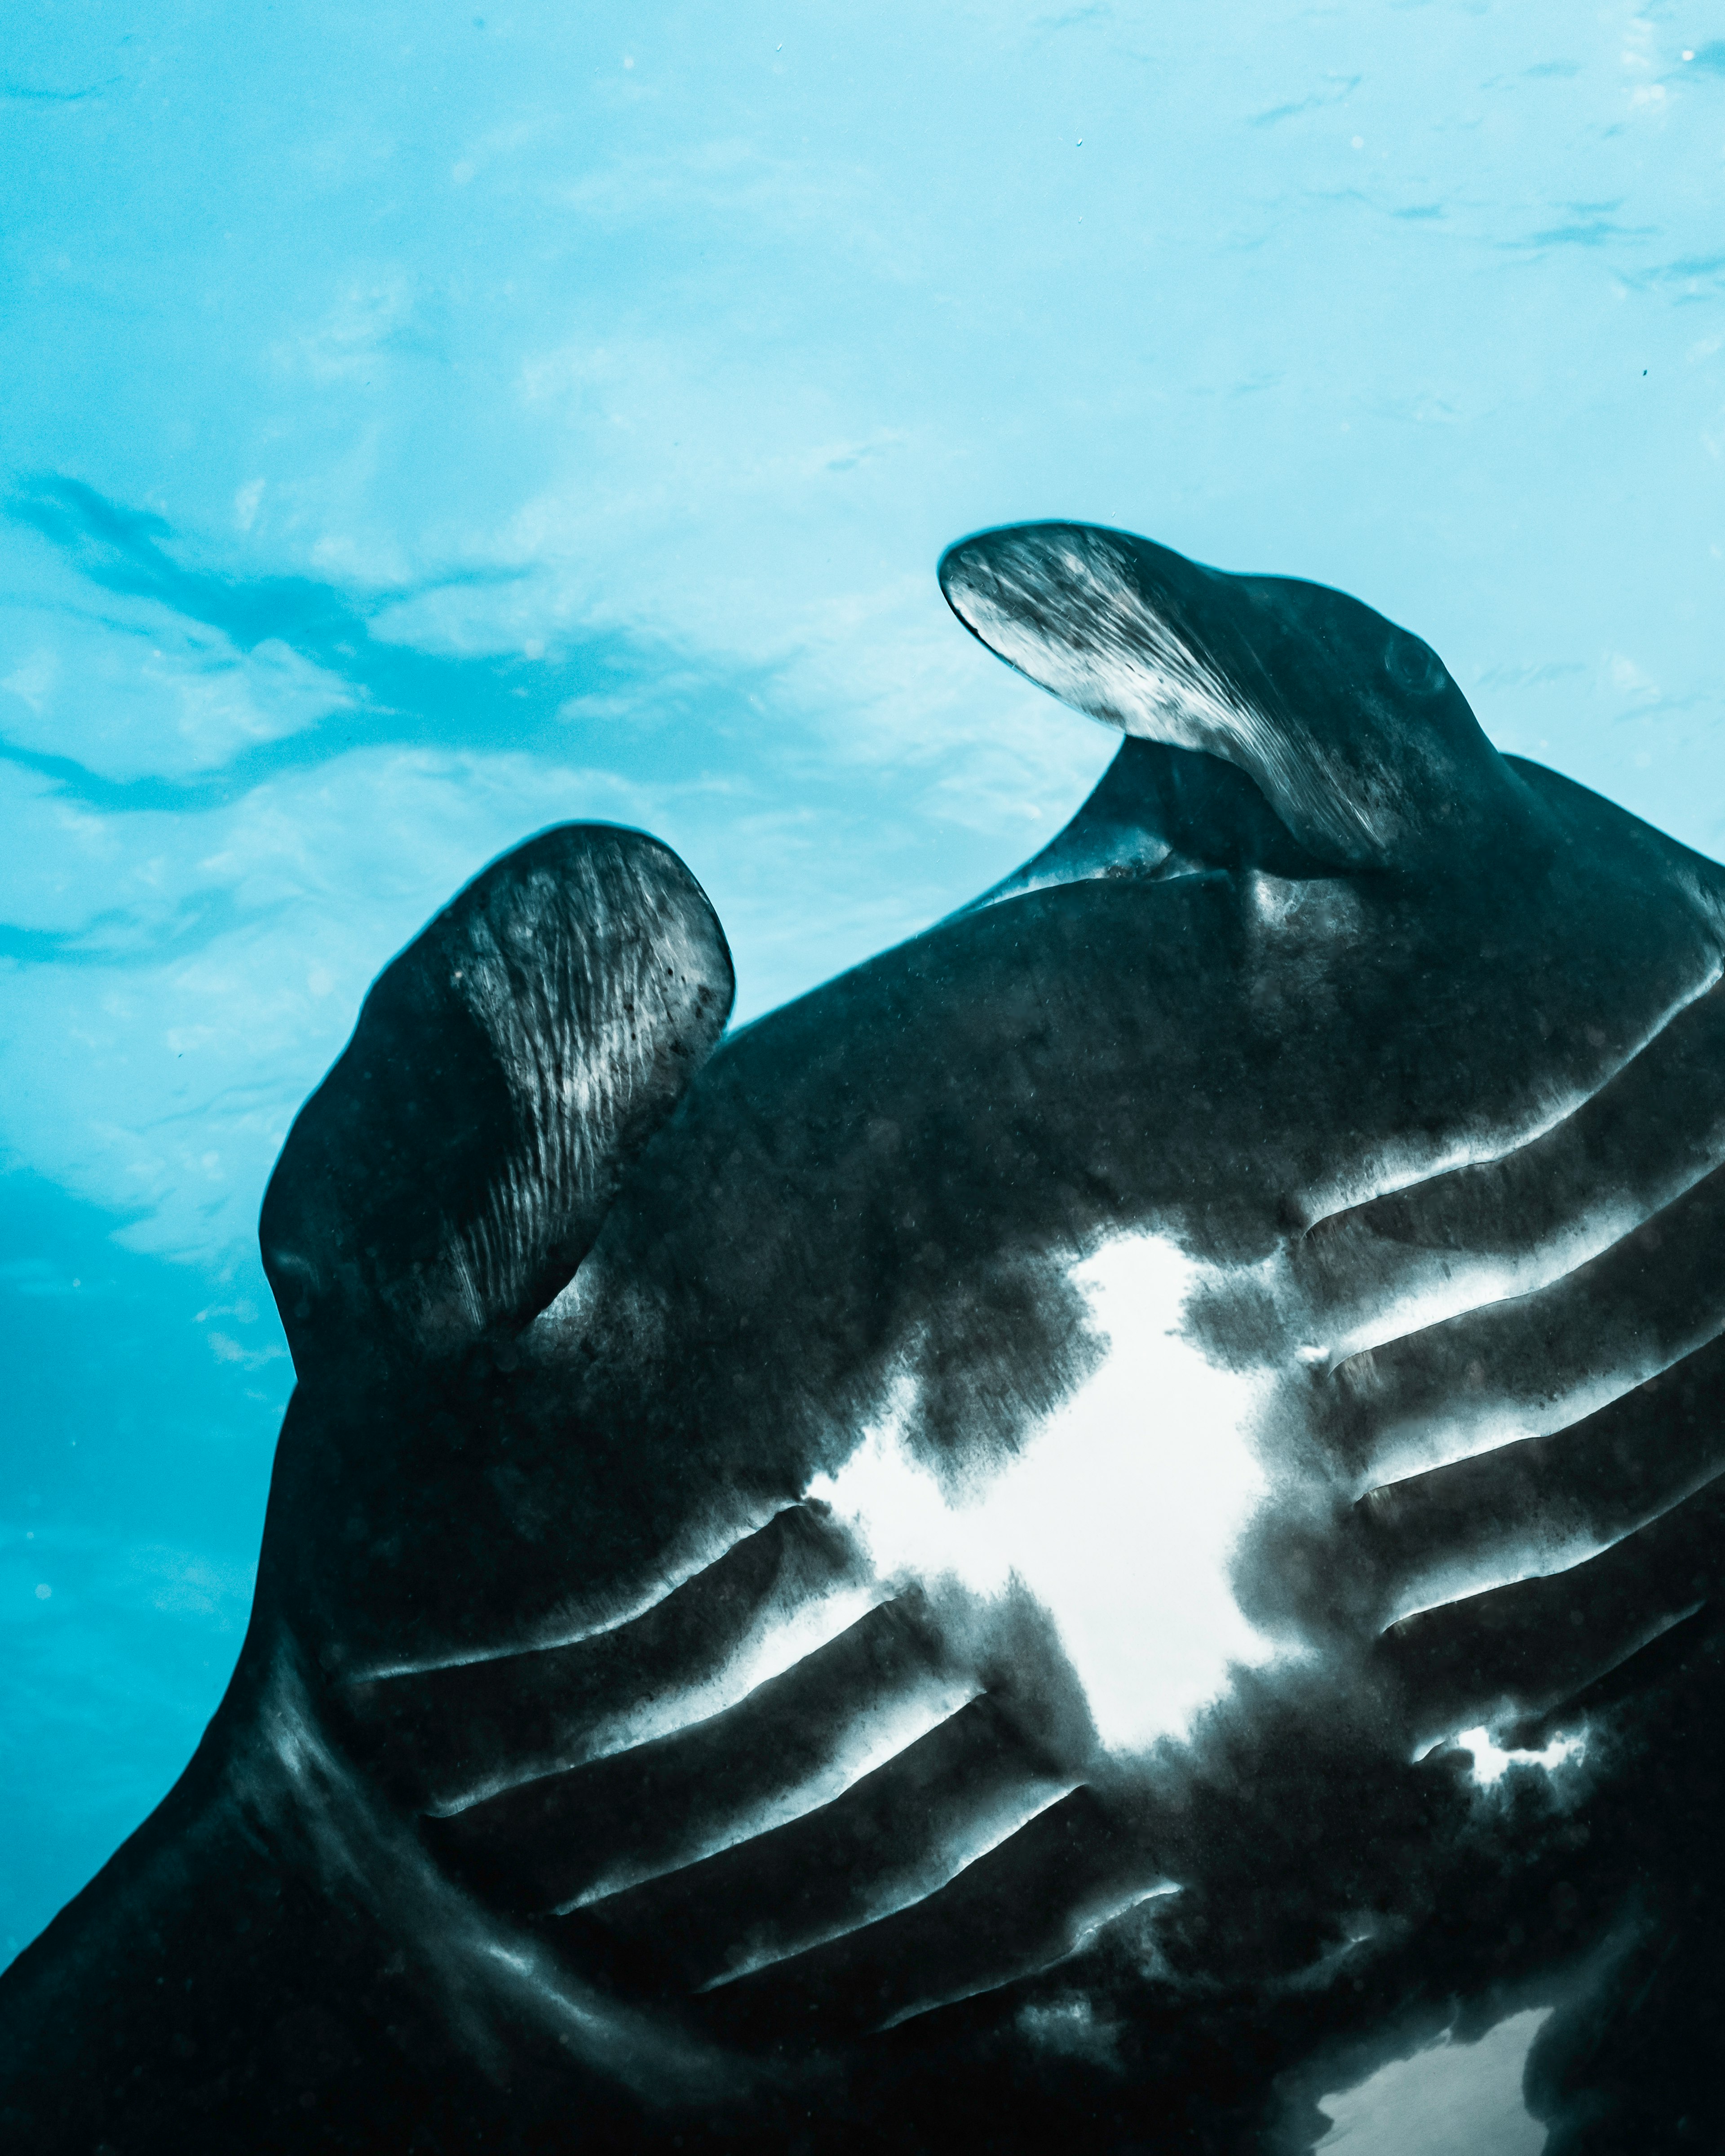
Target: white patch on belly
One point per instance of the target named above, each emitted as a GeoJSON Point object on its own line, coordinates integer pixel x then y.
{"type": "Point", "coordinates": [1489, 1764]}
{"type": "Point", "coordinates": [1450, 2099]}
{"type": "Point", "coordinates": [1121, 1514]}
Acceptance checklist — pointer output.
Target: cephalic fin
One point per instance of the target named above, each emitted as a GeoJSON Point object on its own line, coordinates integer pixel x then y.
{"type": "Point", "coordinates": [1352, 728]}
{"type": "Point", "coordinates": [446, 1177]}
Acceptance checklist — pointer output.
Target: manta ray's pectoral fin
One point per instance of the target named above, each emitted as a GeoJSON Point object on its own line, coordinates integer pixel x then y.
{"type": "Point", "coordinates": [1351, 728]}
{"type": "Point", "coordinates": [451, 1172]}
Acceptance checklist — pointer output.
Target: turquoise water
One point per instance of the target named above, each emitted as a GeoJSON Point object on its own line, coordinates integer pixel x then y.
{"type": "Point", "coordinates": [423, 426]}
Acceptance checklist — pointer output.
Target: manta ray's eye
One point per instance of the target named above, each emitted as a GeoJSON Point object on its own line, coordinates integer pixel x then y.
{"type": "Point", "coordinates": [1412, 666]}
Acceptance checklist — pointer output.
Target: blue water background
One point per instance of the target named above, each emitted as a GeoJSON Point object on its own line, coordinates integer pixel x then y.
{"type": "Point", "coordinates": [419, 426]}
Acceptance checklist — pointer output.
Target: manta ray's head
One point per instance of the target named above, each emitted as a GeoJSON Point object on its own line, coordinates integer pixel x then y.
{"type": "Point", "coordinates": [1352, 728]}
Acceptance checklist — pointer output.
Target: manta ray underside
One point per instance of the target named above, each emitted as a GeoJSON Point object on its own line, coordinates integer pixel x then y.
{"type": "Point", "coordinates": [940, 1569]}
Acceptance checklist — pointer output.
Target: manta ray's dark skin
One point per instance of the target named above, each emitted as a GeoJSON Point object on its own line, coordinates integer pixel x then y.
{"type": "Point", "coordinates": [1398, 1069]}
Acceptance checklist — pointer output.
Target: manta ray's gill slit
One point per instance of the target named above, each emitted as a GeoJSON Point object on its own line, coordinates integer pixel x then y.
{"type": "Point", "coordinates": [462, 1733]}
{"type": "Point", "coordinates": [670, 1576]}
{"type": "Point", "coordinates": [782, 1646]}
{"type": "Point", "coordinates": [1478, 1663]}
{"type": "Point", "coordinates": [947, 1863]}
{"type": "Point", "coordinates": [1121, 1905]}
{"type": "Point", "coordinates": [656, 2059]}
{"type": "Point", "coordinates": [1528, 1546]}
{"type": "Point", "coordinates": [559, 1840]}
{"type": "Point", "coordinates": [1094, 1920]}
{"type": "Point", "coordinates": [1120, 1516]}
{"type": "Point", "coordinates": [1455, 1405]}
{"type": "Point", "coordinates": [676, 1707]}
{"type": "Point", "coordinates": [1371, 1289]}
{"type": "Point", "coordinates": [1560, 1108]}
{"type": "Point", "coordinates": [1461, 1581]}
{"type": "Point", "coordinates": [1411, 1292]}
{"type": "Point", "coordinates": [867, 1741]}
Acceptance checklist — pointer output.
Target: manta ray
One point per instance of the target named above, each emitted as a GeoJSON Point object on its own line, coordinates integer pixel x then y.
{"type": "Point", "coordinates": [939, 1568]}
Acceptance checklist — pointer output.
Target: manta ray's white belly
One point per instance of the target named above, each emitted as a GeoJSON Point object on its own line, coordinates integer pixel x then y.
{"type": "Point", "coordinates": [1121, 1514]}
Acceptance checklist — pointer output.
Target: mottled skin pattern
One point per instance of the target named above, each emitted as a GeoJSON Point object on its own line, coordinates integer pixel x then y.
{"type": "Point", "coordinates": [1404, 1057]}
